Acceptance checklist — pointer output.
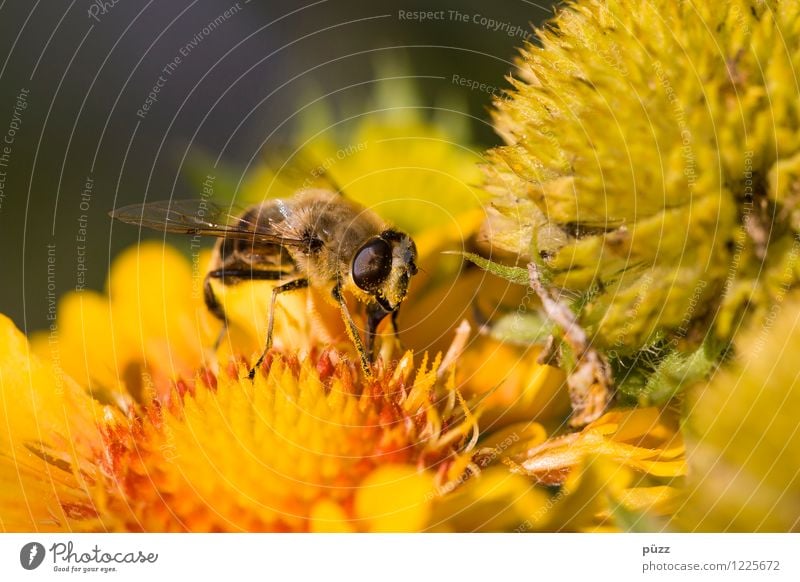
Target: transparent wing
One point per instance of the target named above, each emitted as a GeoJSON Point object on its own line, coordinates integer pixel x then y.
{"type": "Point", "coordinates": [203, 218]}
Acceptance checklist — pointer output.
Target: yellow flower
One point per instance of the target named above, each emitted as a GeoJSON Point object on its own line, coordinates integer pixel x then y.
{"type": "Point", "coordinates": [306, 447]}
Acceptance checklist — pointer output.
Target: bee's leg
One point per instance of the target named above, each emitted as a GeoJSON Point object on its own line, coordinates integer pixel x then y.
{"type": "Point", "coordinates": [215, 308]}
{"type": "Point", "coordinates": [211, 301]}
{"type": "Point", "coordinates": [290, 286]}
{"type": "Point", "coordinates": [352, 331]}
{"type": "Point", "coordinates": [375, 314]}
{"type": "Point", "coordinates": [231, 277]}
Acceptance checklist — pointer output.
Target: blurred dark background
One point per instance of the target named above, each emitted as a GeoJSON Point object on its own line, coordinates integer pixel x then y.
{"type": "Point", "coordinates": [74, 73]}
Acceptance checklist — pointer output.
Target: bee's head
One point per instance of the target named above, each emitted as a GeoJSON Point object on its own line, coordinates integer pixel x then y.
{"type": "Point", "coordinates": [383, 267]}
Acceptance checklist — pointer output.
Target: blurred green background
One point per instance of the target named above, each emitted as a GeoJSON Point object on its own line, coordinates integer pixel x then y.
{"type": "Point", "coordinates": [84, 69]}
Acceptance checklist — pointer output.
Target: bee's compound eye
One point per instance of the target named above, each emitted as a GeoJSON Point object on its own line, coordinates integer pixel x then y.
{"type": "Point", "coordinates": [372, 264]}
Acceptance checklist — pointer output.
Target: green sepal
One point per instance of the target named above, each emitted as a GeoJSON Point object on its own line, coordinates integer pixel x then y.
{"type": "Point", "coordinates": [516, 275]}
{"type": "Point", "coordinates": [656, 375]}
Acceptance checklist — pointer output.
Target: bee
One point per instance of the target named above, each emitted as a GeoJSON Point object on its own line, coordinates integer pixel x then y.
{"type": "Point", "coordinates": [315, 238]}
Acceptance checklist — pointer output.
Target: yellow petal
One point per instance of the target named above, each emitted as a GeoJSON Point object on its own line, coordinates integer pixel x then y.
{"type": "Point", "coordinates": [329, 517]}
{"type": "Point", "coordinates": [642, 438]}
{"type": "Point", "coordinates": [494, 500]}
{"type": "Point", "coordinates": [49, 430]}
{"type": "Point", "coordinates": [395, 499]}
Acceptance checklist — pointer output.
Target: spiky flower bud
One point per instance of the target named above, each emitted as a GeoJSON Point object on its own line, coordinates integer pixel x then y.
{"type": "Point", "coordinates": [652, 164]}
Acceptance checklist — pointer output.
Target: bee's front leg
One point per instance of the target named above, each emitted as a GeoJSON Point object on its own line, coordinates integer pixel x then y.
{"type": "Point", "coordinates": [352, 330]}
